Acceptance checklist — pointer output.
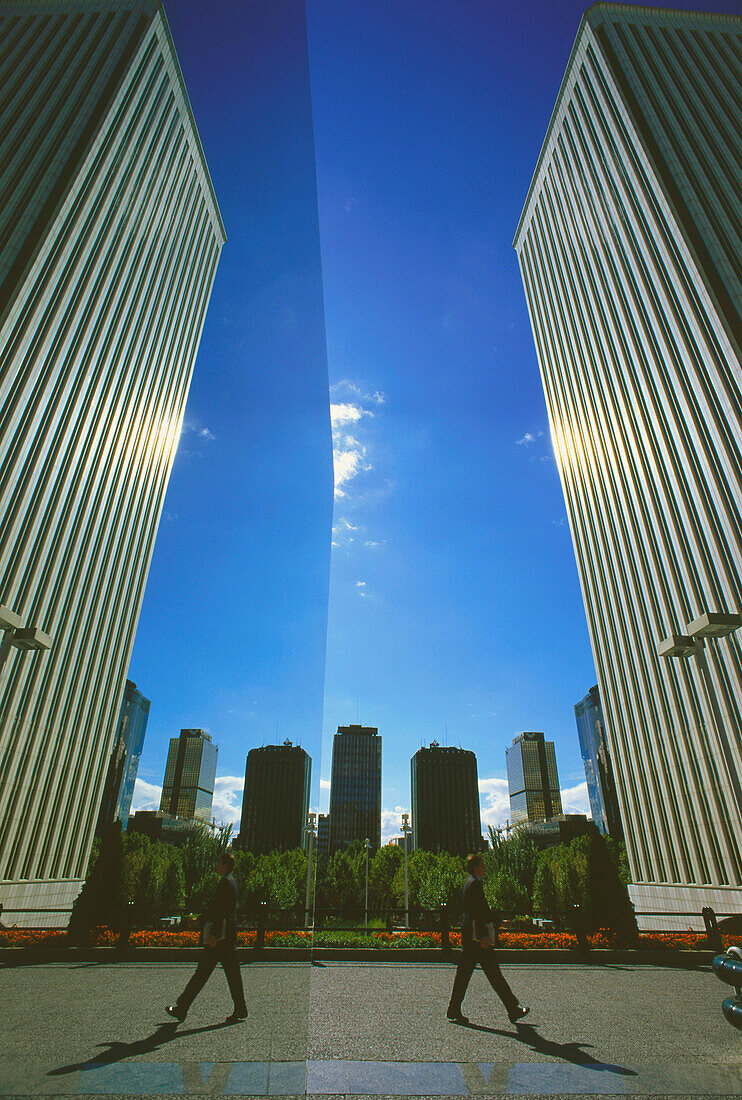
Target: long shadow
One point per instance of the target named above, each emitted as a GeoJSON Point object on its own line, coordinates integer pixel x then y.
{"type": "Point", "coordinates": [116, 1051]}
{"type": "Point", "coordinates": [569, 1052]}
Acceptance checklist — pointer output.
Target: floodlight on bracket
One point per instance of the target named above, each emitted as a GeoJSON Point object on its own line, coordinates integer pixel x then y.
{"type": "Point", "coordinates": [714, 624]}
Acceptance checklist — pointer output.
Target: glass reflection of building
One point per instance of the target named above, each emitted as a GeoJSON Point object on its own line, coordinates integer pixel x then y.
{"type": "Point", "coordinates": [601, 787]}
{"type": "Point", "coordinates": [124, 763]}
{"type": "Point", "coordinates": [533, 783]}
{"type": "Point", "coordinates": [445, 800]}
{"type": "Point", "coordinates": [355, 787]}
{"type": "Point", "coordinates": [275, 802]}
{"type": "Point", "coordinates": [188, 788]}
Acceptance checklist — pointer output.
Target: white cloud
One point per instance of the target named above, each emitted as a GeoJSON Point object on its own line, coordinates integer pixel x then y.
{"type": "Point", "coordinates": [227, 804]}
{"type": "Point", "coordinates": [494, 802]}
{"type": "Point", "coordinates": [324, 784]}
{"type": "Point", "coordinates": [575, 800]}
{"type": "Point", "coordinates": [146, 796]}
{"type": "Point", "coordinates": [349, 407]}
{"type": "Point", "coordinates": [529, 438]}
{"type": "Point", "coordinates": [391, 823]}
{"type": "Point", "coordinates": [360, 584]}
{"type": "Point", "coordinates": [346, 413]}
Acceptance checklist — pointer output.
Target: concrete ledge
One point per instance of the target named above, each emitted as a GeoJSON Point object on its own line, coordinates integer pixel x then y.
{"type": "Point", "coordinates": [31, 956]}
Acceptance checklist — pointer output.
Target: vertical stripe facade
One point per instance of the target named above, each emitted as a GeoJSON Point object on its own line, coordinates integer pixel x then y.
{"type": "Point", "coordinates": [110, 237]}
{"type": "Point", "coordinates": [630, 248]}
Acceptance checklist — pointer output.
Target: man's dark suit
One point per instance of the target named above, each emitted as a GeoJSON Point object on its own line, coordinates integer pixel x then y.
{"type": "Point", "coordinates": [477, 915]}
{"type": "Point", "coordinates": [223, 908]}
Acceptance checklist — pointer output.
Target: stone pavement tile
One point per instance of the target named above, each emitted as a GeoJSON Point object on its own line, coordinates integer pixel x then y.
{"type": "Point", "coordinates": [248, 1079]}
{"type": "Point", "coordinates": [327, 1077]}
{"type": "Point", "coordinates": [378, 1078]}
{"type": "Point", "coordinates": [434, 1079]}
{"type": "Point", "coordinates": [679, 1080]}
{"type": "Point", "coordinates": [17, 1078]}
{"type": "Point", "coordinates": [548, 1078]}
{"type": "Point", "coordinates": [135, 1078]}
{"type": "Point", "coordinates": [287, 1078]}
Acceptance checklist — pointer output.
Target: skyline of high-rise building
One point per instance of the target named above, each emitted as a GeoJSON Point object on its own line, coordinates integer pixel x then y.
{"type": "Point", "coordinates": [601, 785]}
{"type": "Point", "coordinates": [110, 237]}
{"type": "Point", "coordinates": [533, 782]}
{"type": "Point", "coordinates": [355, 787]}
{"type": "Point", "coordinates": [630, 247]}
{"type": "Point", "coordinates": [190, 771]}
{"type": "Point", "coordinates": [445, 800]}
{"type": "Point", "coordinates": [275, 799]}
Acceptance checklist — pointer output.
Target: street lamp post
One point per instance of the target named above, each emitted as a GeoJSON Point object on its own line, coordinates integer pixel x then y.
{"type": "Point", "coordinates": [366, 845]}
{"type": "Point", "coordinates": [710, 624]}
{"type": "Point", "coordinates": [310, 849]}
{"type": "Point", "coordinates": [406, 830]}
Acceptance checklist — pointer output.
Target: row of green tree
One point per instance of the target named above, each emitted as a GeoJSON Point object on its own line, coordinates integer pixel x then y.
{"type": "Point", "coordinates": [131, 872]}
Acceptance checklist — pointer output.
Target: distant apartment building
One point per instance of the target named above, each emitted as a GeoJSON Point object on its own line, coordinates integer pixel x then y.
{"type": "Point", "coordinates": [190, 771]}
{"type": "Point", "coordinates": [275, 801]}
{"type": "Point", "coordinates": [445, 800]}
{"type": "Point", "coordinates": [630, 248]}
{"type": "Point", "coordinates": [124, 762]}
{"type": "Point", "coordinates": [533, 783]}
{"type": "Point", "coordinates": [355, 787]}
{"type": "Point", "coordinates": [110, 238]}
{"type": "Point", "coordinates": [601, 787]}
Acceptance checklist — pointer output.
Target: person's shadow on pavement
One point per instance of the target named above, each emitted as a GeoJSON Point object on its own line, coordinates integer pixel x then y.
{"type": "Point", "coordinates": [568, 1052]}
{"type": "Point", "coordinates": [116, 1051]}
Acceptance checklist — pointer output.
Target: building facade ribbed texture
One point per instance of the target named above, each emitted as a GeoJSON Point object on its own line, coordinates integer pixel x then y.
{"type": "Point", "coordinates": [109, 240]}
{"type": "Point", "coordinates": [630, 246]}
{"type": "Point", "coordinates": [275, 801]}
{"type": "Point", "coordinates": [445, 800]}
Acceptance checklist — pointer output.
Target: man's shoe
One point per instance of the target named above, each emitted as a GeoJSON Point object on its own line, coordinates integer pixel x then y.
{"type": "Point", "coordinates": [237, 1016]}
{"type": "Point", "coordinates": [456, 1017]}
{"type": "Point", "coordinates": [518, 1013]}
{"type": "Point", "coordinates": [178, 1013]}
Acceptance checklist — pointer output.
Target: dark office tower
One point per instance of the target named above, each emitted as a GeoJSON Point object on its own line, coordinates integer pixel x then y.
{"type": "Point", "coordinates": [533, 783]}
{"type": "Point", "coordinates": [109, 241]}
{"type": "Point", "coordinates": [445, 801]}
{"type": "Point", "coordinates": [323, 835]}
{"type": "Point", "coordinates": [601, 787]}
{"type": "Point", "coordinates": [630, 246]}
{"type": "Point", "coordinates": [355, 787]}
{"type": "Point", "coordinates": [124, 762]}
{"type": "Point", "coordinates": [188, 789]}
{"type": "Point", "coordinates": [275, 802]}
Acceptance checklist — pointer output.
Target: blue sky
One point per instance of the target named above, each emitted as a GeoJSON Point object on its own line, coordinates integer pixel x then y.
{"type": "Point", "coordinates": [378, 262]}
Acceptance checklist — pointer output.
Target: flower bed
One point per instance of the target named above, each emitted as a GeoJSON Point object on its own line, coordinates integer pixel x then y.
{"type": "Point", "coordinates": [105, 937]}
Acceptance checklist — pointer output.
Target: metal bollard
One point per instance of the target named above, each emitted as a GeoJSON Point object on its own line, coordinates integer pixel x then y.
{"type": "Point", "coordinates": [260, 932]}
{"type": "Point", "coordinates": [445, 937]}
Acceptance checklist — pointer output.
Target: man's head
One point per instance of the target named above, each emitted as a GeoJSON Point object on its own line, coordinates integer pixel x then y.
{"type": "Point", "coordinates": [225, 863]}
{"type": "Point", "coordinates": [475, 865]}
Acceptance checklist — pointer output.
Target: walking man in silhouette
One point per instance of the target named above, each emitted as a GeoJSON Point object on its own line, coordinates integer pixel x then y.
{"type": "Point", "coordinates": [476, 947]}
{"type": "Point", "coordinates": [219, 940]}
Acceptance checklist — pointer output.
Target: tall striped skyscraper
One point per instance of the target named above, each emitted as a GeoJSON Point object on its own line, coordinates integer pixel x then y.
{"type": "Point", "coordinates": [109, 241]}
{"type": "Point", "coordinates": [630, 247]}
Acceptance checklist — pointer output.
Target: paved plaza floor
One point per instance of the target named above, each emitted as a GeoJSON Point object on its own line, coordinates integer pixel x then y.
{"type": "Point", "coordinates": [349, 1029]}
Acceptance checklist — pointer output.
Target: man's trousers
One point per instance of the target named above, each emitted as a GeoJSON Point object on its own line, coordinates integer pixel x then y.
{"type": "Point", "coordinates": [485, 956]}
{"type": "Point", "coordinates": [225, 953]}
